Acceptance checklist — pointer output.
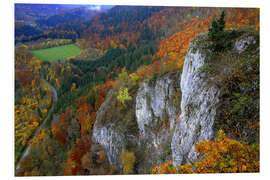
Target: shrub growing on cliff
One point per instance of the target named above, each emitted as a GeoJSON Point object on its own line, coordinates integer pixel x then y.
{"type": "Point", "coordinates": [123, 96]}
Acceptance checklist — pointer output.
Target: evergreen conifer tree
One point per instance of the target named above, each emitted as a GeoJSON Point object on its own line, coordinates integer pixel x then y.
{"type": "Point", "coordinates": [217, 34]}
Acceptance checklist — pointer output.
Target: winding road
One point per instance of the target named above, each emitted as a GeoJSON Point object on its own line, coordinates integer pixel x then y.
{"type": "Point", "coordinates": [54, 93]}
{"type": "Point", "coordinates": [26, 152]}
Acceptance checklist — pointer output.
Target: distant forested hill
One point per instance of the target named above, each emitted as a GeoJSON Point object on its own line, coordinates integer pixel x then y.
{"type": "Point", "coordinates": [33, 21]}
{"type": "Point", "coordinates": [32, 12]}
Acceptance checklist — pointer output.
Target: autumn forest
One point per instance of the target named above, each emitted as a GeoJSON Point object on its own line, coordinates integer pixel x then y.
{"type": "Point", "coordinates": [84, 79]}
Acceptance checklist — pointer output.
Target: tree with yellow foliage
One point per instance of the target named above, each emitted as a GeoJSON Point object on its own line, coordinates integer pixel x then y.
{"type": "Point", "coordinates": [227, 156]}
{"type": "Point", "coordinates": [123, 96]}
{"type": "Point", "coordinates": [128, 159]}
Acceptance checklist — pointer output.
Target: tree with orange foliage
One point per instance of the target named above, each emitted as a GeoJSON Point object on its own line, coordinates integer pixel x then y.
{"type": "Point", "coordinates": [60, 128]}
{"type": "Point", "coordinates": [223, 155]}
{"type": "Point", "coordinates": [227, 155]}
{"type": "Point", "coordinates": [83, 116]}
{"type": "Point", "coordinates": [73, 165]}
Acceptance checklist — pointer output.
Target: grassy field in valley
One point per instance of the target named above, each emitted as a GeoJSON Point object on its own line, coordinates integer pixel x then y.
{"type": "Point", "coordinates": [60, 52]}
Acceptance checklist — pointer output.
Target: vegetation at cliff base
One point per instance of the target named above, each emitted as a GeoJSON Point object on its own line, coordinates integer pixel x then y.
{"type": "Point", "coordinates": [128, 160]}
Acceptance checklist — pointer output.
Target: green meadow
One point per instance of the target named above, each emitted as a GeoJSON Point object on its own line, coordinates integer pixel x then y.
{"type": "Point", "coordinates": [60, 52]}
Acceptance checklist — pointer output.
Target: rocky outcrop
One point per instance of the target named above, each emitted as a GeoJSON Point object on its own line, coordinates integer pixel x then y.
{"type": "Point", "coordinates": [111, 141]}
{"type": "Point", "coordinates": [154, 103]}
{"type": "Point", "coordinates": [169, 114]}
{"type": "Point", "coordinates": [107, 135]}
{"type": "Point", "coordinates": [242, 44]}
{"type": "Point", "coordinates": [157, 109]}
{"type": "Point", "coordinates": [156, 106]}
{"type": "Point", "coordinates": [201, 96]}
{"type": "Point", "coordinates": [198, 106]}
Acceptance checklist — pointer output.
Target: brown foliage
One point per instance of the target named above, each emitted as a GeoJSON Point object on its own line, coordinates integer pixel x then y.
{"type": "Point", "coordinates": [73, 165]}
{"type": "Point", "coordinates": [60, 128]}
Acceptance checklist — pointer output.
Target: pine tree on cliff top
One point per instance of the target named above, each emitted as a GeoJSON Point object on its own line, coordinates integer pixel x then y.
{"type": "Point", "coordinates": [217, 34]}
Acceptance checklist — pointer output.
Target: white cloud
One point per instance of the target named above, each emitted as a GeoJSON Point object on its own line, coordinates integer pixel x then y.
{"type": "Point", "coordinates": [95, 7]}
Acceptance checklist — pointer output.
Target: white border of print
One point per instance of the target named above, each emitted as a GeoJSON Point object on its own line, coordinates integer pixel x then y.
{"type": "Point", "coordinates": [7, 83]}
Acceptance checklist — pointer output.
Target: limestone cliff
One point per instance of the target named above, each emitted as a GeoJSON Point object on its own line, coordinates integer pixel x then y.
{"type": "Point", "coordinates": [148, 125]}
{"type": "Point", "coordinates": [206, 84]}
{"type": "Point", "coordinates": [199, 103]}
{"type": "Point", "coordinates": [170, 113]}
{"type": "Point", "coordinates": [108, 135]}
{"type": "Point", "coordinates": [157, 110]}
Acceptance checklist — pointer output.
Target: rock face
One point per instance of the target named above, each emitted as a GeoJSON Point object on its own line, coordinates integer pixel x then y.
{"type": "Point", "coordinates": [156, 115]}
{"type": "Point", "coordinates": [111, 141]}
{"type": "Point", "coordinates": [198, 106]}
{"type": "Point", "coordinates": [107, 136]}
{"type": "Point", "coordinates": [155, 102]}
{"type": "Point", "coordinates": [242, 44]}
{"type": "Point", "coordinates": [156, 108]}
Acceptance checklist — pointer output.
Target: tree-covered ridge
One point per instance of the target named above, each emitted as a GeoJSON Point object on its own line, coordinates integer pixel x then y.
{"type": "Point", "coordinates": [35, 21]}
{"type": "Point", "coordinates": [176, 45]}
{"type": "Point", "coordinates": [154, 22]}
{"type": "Point", "coordinates": [31, 12]}
{"type": "Point", "coordinates": [33, 99]}
{"type": "Point", "coordinates": [66, 16]}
